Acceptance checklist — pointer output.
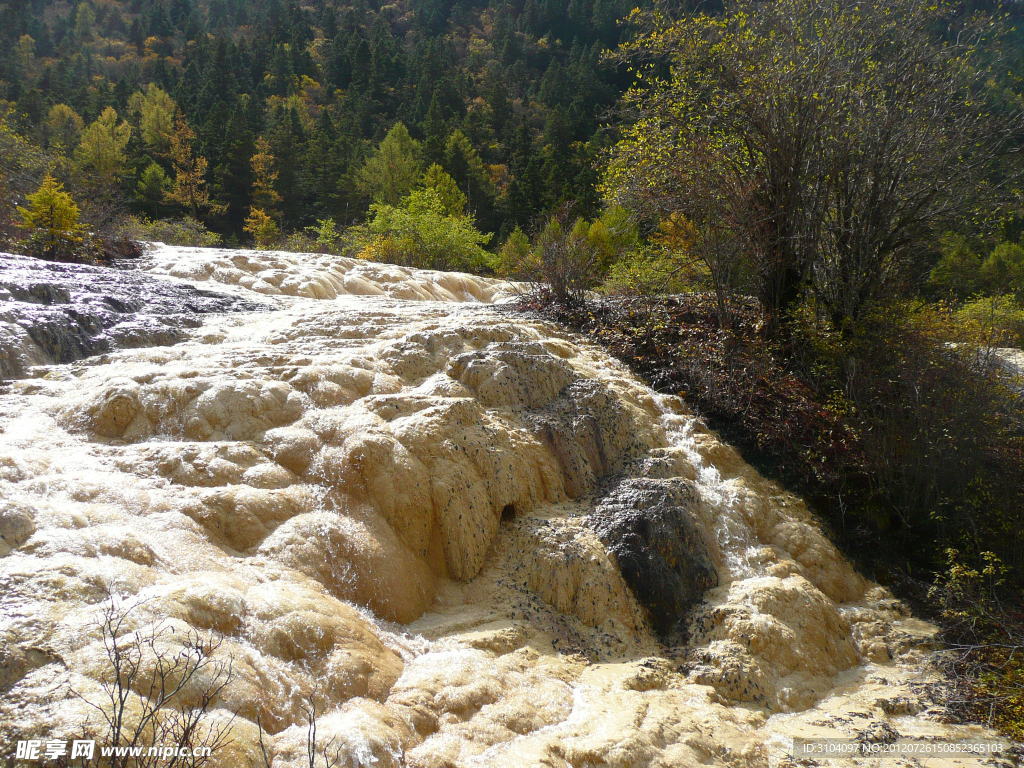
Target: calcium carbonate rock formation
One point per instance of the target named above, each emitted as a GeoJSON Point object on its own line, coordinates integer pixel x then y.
{"type": "Point", "coordinates": [454, 536]}
{"type": "Point", "coordinates": [56, 313]}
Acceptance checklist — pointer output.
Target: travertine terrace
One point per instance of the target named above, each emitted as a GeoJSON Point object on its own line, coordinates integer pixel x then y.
{"type": "Point", "coordinates": [389, 495]}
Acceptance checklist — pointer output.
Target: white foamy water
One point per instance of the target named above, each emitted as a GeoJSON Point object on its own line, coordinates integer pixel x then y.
{"type": "Point", "coordinates": [378, 495]}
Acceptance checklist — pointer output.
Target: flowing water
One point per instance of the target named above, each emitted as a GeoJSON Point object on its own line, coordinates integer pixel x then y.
{"type": "Point", "coordinates": [471, 538]}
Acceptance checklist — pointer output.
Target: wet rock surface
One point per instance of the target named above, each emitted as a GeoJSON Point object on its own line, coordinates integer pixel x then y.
{"type": "Point", "coordinates": [57, 313]}
{"type": "Point", "coordinates": [647, 527]}
{"type": "Point", "coordinates": [387, 498]}
{"type": "Point", "coordinates": [1011, 361]}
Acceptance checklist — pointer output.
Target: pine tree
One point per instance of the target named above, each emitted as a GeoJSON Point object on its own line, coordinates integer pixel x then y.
{"type": "Point", "coordinates": [326, 161]}
{"type": "Point", "coordinates": [434, 129]}
{"type": "Point", "coordinates": [51, 220]}
{"type": "Point", "coordinates": [287, 138]}
{"type": "Point", "coordinates": [232, 179]}
{"type": "Point", "coordinates": [466, 166]}
{"type": "Point", "coordinates": [152, 187]}
{"type": "Point", "coordinates": [393, 169]}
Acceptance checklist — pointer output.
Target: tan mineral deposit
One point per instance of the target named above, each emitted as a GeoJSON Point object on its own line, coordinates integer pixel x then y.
{"type": "Point", "coordinates": [388, 495]}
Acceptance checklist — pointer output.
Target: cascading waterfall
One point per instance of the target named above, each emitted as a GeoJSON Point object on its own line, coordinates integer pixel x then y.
{"type": "Point", "coordinates": [472, 539]}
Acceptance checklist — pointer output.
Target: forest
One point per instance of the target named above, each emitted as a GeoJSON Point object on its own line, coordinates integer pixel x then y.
{"type": "Point", "coordinates": [157, 110]}
{"type": "Point", "coordinates": [803, 217]}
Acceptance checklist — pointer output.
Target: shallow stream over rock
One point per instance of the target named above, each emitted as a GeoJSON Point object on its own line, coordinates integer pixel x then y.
{"type": "Point", "coordinates": [473, 539]}
{"type": "Point", "coordinates": [53, 312]}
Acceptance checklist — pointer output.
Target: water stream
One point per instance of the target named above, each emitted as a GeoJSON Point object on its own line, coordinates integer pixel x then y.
{"type": "Point", "coordinates": [474, 539]}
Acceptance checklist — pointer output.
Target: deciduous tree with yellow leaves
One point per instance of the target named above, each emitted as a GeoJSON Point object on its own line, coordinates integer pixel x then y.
{"type": "Point", "coordinates": [188, 189]}
{"type": "Point", "coordinates": [50, 218]}
{"type": "Point", "coordinates": [262, 227]}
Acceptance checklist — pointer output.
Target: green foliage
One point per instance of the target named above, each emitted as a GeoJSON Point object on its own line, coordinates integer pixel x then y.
{"type": "Point", "coordinates": [515, 257]}
{"type": "Point", "coordinates": [420, 233]}
{"type": "Point", "coordinates": [50, 218]}
{"type": "Point", "coordinates": [300, 242]}
{"type": "Point", "coordinates": [326, 235]}
{"type": "Point", "coordinates": [994, 320]}
{"type": "Point", "coordinates": [467, 168]}
{"type": "Point", "coordinates": [572, 256]}
{"type": "Point", "coordinates": [437, 179]}
{"type": "Point", "coordinates": [648, 272]}
{"type": "Point", "coordinates": [957, 273]}
{"type": "Point", "coordinates": [614, 233]}
{"type": "Point", "coordinates": [1003, 269]}
{"type": "Point", "coordinates": [186, 231]}
{"type": "Point", "coordinates": [393, 169]}
{"type": "Point", "coordinates": [963, 592]}
{"type": "Point", "coordinates": [63, 128]}
{"type": "Point", "coordinates": [962, 272]}
{"type": "Point", "coordinates": [155, 110]}
{"type": "Point", "coordinates": [153, 186]}
{"type": "Point", "coordinates": [101, 153]}
{"type": "Point", "coordinates": [84, 22]}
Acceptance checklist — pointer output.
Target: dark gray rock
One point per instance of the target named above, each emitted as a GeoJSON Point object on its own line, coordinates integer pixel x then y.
{"type": "Point", "coordinates": [54, 312]}
{"type": "Point", "coordinates": [646, 525]}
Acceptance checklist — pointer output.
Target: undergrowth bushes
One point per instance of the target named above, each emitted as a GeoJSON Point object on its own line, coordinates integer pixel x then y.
{"type": "Point", "coordinates": [186, 231]}
{"type": "Point", "coordinates": [998, 320]}
{"type": "Point", "coordinates": [983, 628]}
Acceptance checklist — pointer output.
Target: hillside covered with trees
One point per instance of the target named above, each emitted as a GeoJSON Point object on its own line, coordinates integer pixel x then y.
{"type": "Point", "coordinates": [210, 108]}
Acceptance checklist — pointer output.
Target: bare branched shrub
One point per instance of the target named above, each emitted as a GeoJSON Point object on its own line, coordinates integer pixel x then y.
{"type": "Point", "coordinates": [151, 672]}
{"type": "Point", "coordinates": [329, 751]}
{"type": "Point", "coordinates": [563, 261]}
{"type": "Point", "coordinates": [320, 753]}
